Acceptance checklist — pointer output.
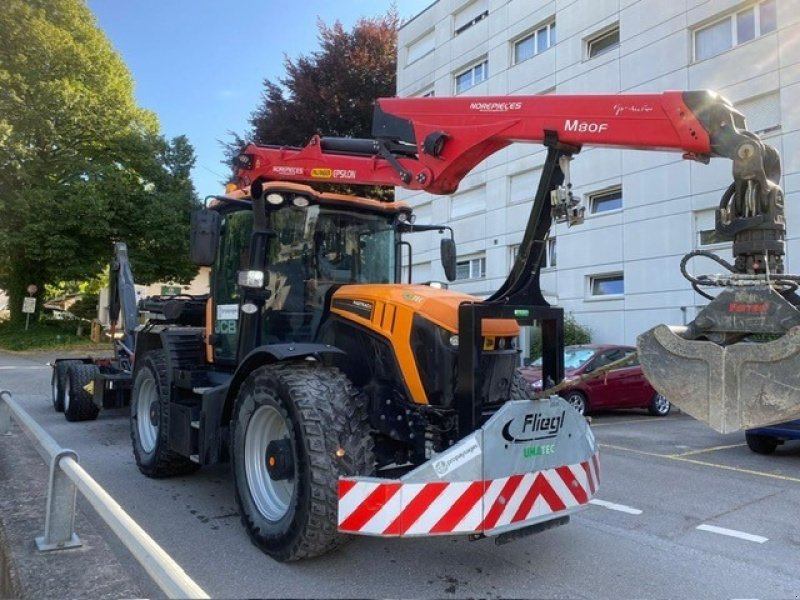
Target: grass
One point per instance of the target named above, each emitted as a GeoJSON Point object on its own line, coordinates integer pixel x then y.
{"type": "Point", "coordinates": [45, 335]}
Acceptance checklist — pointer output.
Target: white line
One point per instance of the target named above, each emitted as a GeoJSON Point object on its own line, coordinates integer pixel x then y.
{"type": "Point", "coordinates": [733, 533]}
{"type": "Point", "coordinates": [8, 368]}
{"type": "Point", "coordinates": [618, 507]}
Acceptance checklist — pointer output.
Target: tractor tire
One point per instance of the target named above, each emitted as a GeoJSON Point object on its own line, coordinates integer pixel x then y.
{"type": "Point", "coordinates": [296, 428]}
{"type": "Point", "coordinates": [150, 420]}
{"type": "Point", "coordinates": [761, 444]}
{"type": "Point", "coordinates": [78, 403]}
{"type": "Point", "coordinates": [58, 382]}
{"type": "Point", "coordinates": [520, 389]}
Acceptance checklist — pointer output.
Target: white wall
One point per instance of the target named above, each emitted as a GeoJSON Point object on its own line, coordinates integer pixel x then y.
{"type": "Point", "coordinates": [657, 225]}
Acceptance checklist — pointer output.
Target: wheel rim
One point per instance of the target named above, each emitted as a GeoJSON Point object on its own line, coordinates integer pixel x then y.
{"type": "Point", "coordinates": [146, 409]}
{"type": "Point", "coordinates": [67, 397]}
{"type": "Point", "coordinates": [54, 385]}
{"type": "Point", "coordinates": [576, 402]}
{"type": "Point", "coordinates": [272, 498]}
{"type": "Point", "coordinates": [661, 404]}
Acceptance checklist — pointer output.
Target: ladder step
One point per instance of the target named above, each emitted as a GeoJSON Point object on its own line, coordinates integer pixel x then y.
{"type": "Point", "coordinates": [201, 390]}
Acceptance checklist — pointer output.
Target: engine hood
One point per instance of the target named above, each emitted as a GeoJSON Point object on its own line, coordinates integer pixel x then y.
{"type": "Point", "coordinates": [437, 305]}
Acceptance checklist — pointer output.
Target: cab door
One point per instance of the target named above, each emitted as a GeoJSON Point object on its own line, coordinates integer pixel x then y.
{"type": "Point", "coordinates": [232, 257]}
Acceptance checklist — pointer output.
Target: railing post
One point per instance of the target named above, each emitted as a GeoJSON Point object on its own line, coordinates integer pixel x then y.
{"type": "Point", "coordinates": [59, 524]}
{"type": "Point", "coordinates": [5, 414]}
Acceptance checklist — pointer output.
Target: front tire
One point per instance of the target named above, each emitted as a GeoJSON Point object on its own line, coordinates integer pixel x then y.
{"type": "Point", "coordinates": [761, 444]}
{"type": "Point", "coordinates": [577, 400]}
{"type": "Point", "coordinates": [296, 428]}
{"type": "Point", "coordinates": [659, 405]}
{"type": "Point", "coordinates": [78, 403]}
{"type": "Point", "coordinates": [150, 420]}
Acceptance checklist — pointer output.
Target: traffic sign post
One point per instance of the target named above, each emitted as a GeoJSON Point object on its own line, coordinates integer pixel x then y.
{"type": "Point", "coordinates": [29, 304]}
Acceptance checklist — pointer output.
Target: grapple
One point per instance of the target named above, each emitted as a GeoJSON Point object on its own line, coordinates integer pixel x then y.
{"type": "Point", "coordinates": [737, 364]}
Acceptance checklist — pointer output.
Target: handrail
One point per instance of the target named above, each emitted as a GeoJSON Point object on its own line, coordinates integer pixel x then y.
{"type": "Point", "coordinates": [65, 476]}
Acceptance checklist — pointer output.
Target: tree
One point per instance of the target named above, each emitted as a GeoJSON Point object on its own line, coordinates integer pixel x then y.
{"type": "Point", "coordinates": [81, 165]}
{"type": "Point", "coordinates": [331, 91]}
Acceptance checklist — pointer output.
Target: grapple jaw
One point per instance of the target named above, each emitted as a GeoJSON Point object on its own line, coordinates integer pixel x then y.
{"type": "Point", "coordinates": [740, 386]}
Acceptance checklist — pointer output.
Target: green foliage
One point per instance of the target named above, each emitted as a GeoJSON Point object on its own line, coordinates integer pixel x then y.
{"type": "Point", "coordinates": [44, 334]}
{"type": "Point", "coordinates": [81, 165]}
{"type": "Point", "coordinates": [86, 307]}
{"type": "Point", "coordinates": [574, 334]}
{"type": "Point", "coordinates": [330, 92]}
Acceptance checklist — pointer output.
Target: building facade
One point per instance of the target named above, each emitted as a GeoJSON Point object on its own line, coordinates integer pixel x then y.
{"type": "Point", "coordinates": [618, 272]}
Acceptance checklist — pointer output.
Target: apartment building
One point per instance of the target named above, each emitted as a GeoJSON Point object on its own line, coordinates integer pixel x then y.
{"type": "Point", "coordinates": [618, 272]}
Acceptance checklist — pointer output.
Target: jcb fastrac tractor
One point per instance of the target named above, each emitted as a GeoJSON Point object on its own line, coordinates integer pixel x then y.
{"type": "Point", "coordinates": [350, 401]}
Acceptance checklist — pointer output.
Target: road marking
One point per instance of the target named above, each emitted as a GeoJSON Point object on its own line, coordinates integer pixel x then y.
{"type": "Point", "coordinates": [713, 449]}
{"type": "Point", "coordinates": [680, 458]}
{"type": "Point", "coordinates": [9, 368]}
{"type": "Point", "coordinates": [758, 539]}
{"type": "Point", "coordinates": [642, 420]}
{"type": "Point", "coordinates": [617, 507]}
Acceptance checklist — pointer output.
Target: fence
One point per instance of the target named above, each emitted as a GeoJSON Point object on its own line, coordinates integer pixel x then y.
{"type": "Point", "coordinates": [66, 477]}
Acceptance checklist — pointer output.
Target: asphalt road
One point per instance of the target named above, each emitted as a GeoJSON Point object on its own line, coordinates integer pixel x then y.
{"type": "Point", "coordinates": [682, 512]}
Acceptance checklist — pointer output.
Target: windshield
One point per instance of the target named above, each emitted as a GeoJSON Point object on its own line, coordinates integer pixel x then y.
{"type": "Point", "coordinates": [573, 358]}
{"type": "Point", "coordinates": [333, 246]}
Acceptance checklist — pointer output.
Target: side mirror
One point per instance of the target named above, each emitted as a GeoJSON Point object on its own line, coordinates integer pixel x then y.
{"type": "Point", "coordinates": [204, 236]}
{"type": "Point", "coordinates": [448, 255]}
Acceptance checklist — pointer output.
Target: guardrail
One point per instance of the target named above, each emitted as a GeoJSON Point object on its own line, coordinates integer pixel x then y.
{"type": "Point", "coordinates": [66, 477]}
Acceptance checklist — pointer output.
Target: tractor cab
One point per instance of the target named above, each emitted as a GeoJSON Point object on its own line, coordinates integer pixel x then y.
{"type": "Point", "coordinates": [315, 243]}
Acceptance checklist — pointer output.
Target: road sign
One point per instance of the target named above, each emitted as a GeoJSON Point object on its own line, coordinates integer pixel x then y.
{"type": "Point", "coordinates": [29, 305]}
{"type": "Point", "coordinates": [32, 289]}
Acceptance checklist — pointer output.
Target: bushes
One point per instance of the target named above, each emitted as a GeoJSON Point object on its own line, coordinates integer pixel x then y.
{"type": "Point", "coordinates": [574, 333]}
{"type": "Point", "coordinates": [42, 334]}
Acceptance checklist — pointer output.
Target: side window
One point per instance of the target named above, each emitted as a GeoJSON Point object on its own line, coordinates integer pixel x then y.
{"type": "Point", "coordinates": [232, 257]}
{"type": "Point", "coordinates": [607, 357]}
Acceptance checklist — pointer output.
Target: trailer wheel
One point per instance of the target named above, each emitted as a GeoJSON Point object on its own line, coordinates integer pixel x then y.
{"type": "Point", "coordinates": [58, 382]}
{"type": "Point", "coordinates": [296, 429]}
{"type": "Point", "coordinates": [78, 403]}
{"type": "Point", "coordinates": [150, 420]}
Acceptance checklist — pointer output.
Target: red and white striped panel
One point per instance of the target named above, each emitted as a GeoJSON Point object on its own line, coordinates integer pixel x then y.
{"type": "Point", "coordinates": [393, 508]}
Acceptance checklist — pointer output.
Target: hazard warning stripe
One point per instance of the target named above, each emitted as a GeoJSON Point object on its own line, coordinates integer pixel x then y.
{"type": "Point", "coordinates": [394, 508]}
{"type": "Point", "coordinates": [460, 509]}
{"type": "Point", "coordinates": [414, 509]}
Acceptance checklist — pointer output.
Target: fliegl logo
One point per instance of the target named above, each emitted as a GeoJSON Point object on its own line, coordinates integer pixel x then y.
{"type": "Point", "coordinates": [533, 427]}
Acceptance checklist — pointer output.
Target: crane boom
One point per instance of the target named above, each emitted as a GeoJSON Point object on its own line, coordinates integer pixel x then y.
{"type": "Point", "coordinates": [430, 144]}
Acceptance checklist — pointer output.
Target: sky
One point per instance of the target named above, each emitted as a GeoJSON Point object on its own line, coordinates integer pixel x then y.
{"type": "Point", "coordinates": [200, 64]}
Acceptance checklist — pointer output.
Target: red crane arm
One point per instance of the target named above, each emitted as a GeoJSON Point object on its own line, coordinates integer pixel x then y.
{"type": "Point", "coordinates": [430, 144]}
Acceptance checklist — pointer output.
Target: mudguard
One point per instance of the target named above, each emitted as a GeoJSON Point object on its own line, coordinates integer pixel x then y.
{"type": "Point", "coordinates": [741, 386]}
{"type": "Point", "coordinates": [534, 461]}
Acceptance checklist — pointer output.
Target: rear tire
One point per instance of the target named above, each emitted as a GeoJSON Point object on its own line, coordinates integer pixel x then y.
{"type": "Point", "coordinates": [58, 382]}
{"type": "Point", "coordinates": [577, 400]}
{"type": "Point", "coordinates": [761, 444]}
{"type": "Point", "coordinates": [312, 422]}
{"type": "Point", "coordinates": [78, 403]}
{"type": "Point", "coordinates": [659, 406]}
{"type": "Point", "coordinates": [150, 420]}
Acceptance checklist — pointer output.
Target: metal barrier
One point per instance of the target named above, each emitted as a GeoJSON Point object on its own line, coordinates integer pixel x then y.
{"type": "Point", "coordinates": [66, 477]}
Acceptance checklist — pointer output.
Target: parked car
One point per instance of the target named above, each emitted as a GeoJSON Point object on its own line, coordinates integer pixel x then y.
{"type": "Point", "coordinates": [764, 440]}
{"type": "Point", "coordinates": [625, 387]}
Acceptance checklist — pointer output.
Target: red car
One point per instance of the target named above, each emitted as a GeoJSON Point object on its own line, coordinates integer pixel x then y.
{"type": "Point", "coordinates": [625, 387]}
